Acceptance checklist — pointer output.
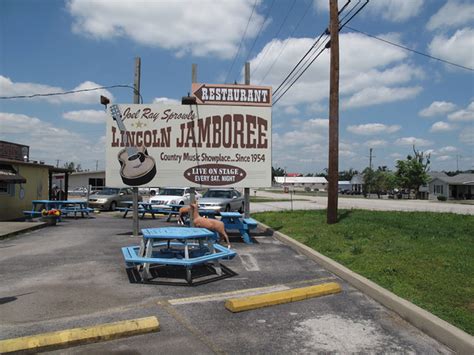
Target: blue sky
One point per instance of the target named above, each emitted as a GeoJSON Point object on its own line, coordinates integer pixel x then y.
{"type": "Point", "coordinates": [390, 98]}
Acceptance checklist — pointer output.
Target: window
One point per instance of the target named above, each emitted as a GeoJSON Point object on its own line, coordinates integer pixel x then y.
{"type": "Point", "coordinates": [438, 189]}
{"type": "Point", "coordinates": [7, 189]}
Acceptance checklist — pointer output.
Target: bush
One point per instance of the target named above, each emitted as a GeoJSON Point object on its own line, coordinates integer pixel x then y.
{"type": "Point", "coordinates": [442, 198]}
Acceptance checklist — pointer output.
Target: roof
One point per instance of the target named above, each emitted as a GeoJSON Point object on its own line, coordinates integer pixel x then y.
{"type": "Point", "coordinates": [9, 175]}
{"type": "Point", "coordinates": [459, 179]}
{"type": "Point", "coordinates": [300, 180]}
{"type": "Point", "coordinates": [19, 162]}
{"type": "Point", "coordinates": [357, 179]}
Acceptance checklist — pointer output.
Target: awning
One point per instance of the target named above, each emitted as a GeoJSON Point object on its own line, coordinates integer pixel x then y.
{"type": "Point", "coordinates": [9, 175]}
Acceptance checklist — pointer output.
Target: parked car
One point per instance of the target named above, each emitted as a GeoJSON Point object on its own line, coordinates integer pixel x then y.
{"type": "Point", "coordinates": [78, 191]}
{"type": "Point", "coordinates": [225, 200]}
{"type": "Point", "coordinates": [172, 196]}
{"type": "Point", "coordinates": [148, 191]}
{"type": "Point", "coordinates": [109, 198]}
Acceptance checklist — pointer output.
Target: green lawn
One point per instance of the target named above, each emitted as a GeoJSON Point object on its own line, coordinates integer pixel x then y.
{"type": "Point", "coordinates": [426, 258]}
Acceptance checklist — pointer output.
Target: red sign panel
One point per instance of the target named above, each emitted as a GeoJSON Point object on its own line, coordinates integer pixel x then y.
{"type": "Point", "coordinates": [238, 95]}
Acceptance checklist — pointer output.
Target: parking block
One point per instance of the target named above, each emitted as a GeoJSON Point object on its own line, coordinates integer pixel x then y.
{"type": "Point", "coordinates": [279, 297]}
{"type": "Point", "coordinates": [76, 336]}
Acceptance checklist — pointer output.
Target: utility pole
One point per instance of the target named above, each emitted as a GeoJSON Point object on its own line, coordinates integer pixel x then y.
{"type": "Point", "coordinates": [333, 161]}
{"type": "Point", "coordinates": [247, 189]}
{"type": "Point", "coordinates": [192, 189]}
{"type": "Point", "coordinates": [136, 100]}
{"type": "Point", "coordinates": [96, 165]}
{"type": "Point", "coordinates": [370, 158]}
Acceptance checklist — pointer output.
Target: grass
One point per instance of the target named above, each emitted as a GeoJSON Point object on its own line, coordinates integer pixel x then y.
{"type": "Point", "coordinates": [426, 258]}
{"type": "Point", "coordinates": [271, 199]}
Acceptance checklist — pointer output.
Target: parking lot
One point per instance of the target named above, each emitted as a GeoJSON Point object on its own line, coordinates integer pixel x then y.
{"type": "Point", "coordinates": [72, 275]}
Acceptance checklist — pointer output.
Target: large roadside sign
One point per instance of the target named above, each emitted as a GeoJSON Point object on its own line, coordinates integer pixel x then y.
{"type": "Point", "coordinates": [242, 95]}
{"type": "Point", "coordinates": [182, 145]}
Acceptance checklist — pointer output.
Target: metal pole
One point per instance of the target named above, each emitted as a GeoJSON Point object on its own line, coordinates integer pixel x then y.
{"type": "Point", "coordinates": [192, 189]}
{"type": "Point", "coordinates": [136, 100]}
{"type": "Point", "coordinates": [247, 189]}
{"type": "Point", "coordinates": [333, 163]}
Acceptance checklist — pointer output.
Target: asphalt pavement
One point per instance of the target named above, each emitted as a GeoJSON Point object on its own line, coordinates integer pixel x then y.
{"type": "Point", "coordinates": [73, 275]}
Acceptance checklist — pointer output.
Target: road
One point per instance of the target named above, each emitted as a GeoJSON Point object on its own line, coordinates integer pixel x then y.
{"type": "Point", "coordinates": [320, 202]}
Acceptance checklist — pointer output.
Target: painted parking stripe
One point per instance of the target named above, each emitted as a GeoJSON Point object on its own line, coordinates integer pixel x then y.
{"type": "Point", "coordinates": [280, 297]}
{"type": "Point", "coordinates": [75, 336]}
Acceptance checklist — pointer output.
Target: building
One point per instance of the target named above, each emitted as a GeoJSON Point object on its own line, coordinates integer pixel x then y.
{"type": "Point", "coordinates": [310, 182]}
{"type": "Point", "coordinates": [357, 183]}
{"type": "Point", "coordinates": [22, 180]}
{"type": "Point", "coordinates": [344, 186]}
{"type": "Point", "coordinates": [460, 186]}
{"type": "Point", "coordinates": [96, 179]}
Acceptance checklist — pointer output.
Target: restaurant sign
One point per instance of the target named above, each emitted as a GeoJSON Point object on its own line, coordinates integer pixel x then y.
{"type": "Point", "coordinates": [245, 95]}
{"type": "Point", "coordinates": [180, 145]}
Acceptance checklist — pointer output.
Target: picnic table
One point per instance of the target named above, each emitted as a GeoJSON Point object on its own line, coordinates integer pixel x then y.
{"type": "Point", "coordinates": [65, 206]}
{"type": "Point", "coordinates": [143, 208]}
{"type": "Point", "coordinates": [235, 220]}
{"type": "Point", "coordinates": [181, 246]}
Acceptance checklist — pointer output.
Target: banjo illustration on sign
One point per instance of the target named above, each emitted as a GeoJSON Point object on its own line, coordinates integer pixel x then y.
{"type": "Point", "coordinates": [137, 167]}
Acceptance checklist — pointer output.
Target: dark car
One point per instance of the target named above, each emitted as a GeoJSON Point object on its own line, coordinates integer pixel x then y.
{"type": "Point", "coordinates": [225, 200]}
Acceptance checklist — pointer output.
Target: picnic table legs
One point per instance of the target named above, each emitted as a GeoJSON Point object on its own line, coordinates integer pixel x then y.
{"type": "Point", "coordinates": [146, 266]}
{"type": "Point", "coordinates": [217, 265]}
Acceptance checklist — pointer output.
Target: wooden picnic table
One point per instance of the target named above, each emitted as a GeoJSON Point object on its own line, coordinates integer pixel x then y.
{"type": "Point", "coordinates": [181, 246]}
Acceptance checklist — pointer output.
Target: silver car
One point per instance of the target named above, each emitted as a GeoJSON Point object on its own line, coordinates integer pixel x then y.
{"type": "Point", "coordinates": [224, 200]}
{"type": "Point", "coordinates": [110, 198]}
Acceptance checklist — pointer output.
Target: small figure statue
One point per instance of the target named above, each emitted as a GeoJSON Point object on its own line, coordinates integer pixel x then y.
{"type": "Point", "coordinates": [211, 224]}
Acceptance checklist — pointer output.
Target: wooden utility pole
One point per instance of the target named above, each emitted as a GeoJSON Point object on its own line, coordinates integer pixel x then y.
{"type": "Point", "coordinates": [192, 189]}
{"type": "Point", "coordinates": [247, 189]}
{"type": "Point", "coordinates": [333, 162]}
{"type": "Point", "coordinates": [136, 100]}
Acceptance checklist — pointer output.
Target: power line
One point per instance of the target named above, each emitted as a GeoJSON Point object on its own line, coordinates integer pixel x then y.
{"type": "Point", "coordinates": [70, 92]}
{"type": "Point", "coordinates": [284, 46]}
{"type": "Point", "coordinates": [410, 49]}
{"type": "Point", "coordinates": [241, 40]}
{"type": "Point", "coordinates": [276, 36]}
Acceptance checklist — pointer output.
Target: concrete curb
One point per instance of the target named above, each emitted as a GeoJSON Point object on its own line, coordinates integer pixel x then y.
{"type": "Point", "coordinates": [247, 303]}
{"type": "Point", "coordinates": [76, 336]}
{"type": "Point", "coordinates": [23, 230]}
{"type": "Point", "coordinates": [453, 337]}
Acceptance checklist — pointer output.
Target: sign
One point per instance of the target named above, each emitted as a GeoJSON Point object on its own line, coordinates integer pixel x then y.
{"type": "Point", "coordinates": [178, 145]}
{"type": "Point", "coordinates": [240, 95]}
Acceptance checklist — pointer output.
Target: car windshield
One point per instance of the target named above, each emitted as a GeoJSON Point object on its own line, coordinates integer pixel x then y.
{"type": "Point", "coordinates": [218, 194]}
{"type": "Point", "coordinates": [108, 191]}
{"type": "Point", "coordinates": [171, 192]}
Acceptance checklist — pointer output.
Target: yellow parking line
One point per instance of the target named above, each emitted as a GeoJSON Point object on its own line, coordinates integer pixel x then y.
{"type": "Point", "coordinates": [76, 336]}
{"type": "Point", "coordinates": [274, 298]}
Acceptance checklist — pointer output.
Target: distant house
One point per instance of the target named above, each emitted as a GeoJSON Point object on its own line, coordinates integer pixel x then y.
{"type": "Point", "coordinates": [357, 183]}
{"type": "Point", "coordinates": [312, 182]}
{"type": "Point", "coordinates": [460, 186]}
{"type": "Point", "coordinates": [344, 186]}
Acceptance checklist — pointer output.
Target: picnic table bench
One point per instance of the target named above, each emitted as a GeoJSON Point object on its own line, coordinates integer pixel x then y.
{"type": "Point", "coordinates": [179, 246]}
{"type": "Point", "coordinates": [66, 207]}
{"type": "Point", "coordinates": [235, 220]}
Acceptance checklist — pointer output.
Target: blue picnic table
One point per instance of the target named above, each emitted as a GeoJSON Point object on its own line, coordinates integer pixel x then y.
{"type": "Point", "coordinates": [65, 206]}
{"type": "Point", "coordinates": [235, 220]}
{"type": "Point", "coordinates": [182, 246]}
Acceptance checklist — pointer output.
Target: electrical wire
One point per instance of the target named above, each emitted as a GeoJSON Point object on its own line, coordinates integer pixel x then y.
{"type": "Point", "coordinates": [284, 46]}
{"type": "Point", "coordinates": [410, 49]}
{"type": "Point", "coordinates": [71, 92]}
{"type": "Point", "coordinates": [276, 36]}
{"type": "Point", "coordinates": [241, 41]}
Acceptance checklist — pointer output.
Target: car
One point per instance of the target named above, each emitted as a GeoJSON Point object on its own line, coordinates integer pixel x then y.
{"type": "Point", "coordinates": [225, 200]}
{"type": "Point", "coordinates": [78, 191]}
{"type": "Point", "coordinates": [109, 198]}
{"type": "Point", "coordinates": [148, 191]}
{"type": "Point", "coordinates": [172, 196]}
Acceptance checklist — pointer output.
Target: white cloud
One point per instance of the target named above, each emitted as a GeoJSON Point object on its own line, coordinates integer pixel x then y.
{"type": "Point", "coordinates": [10, 88]}
{"type": "Point", "coordinates": [380, 95]}
{"type": "Point", "coordinates": [443, 157]}
{"type": "Point", "coordinates": [452, 14]}
{"type": "Point", "coordinates": [417, 142]}
{"type": "Point", "coordinates": [391, 10]}
{"type": "Point", "coordinates": [183, 26]}
{"type": "Point", "coordinates": [86, 116]}
{"type": "Point", "coordinates": [47, 141]}
{"type": "Point", "coordinates": [372, 128]}
{"type": "Point", "coordinates": [447, 149]}
{"type": "Point", "coordinates": [165, 100]}
{"type": "Point", "coordinates": [466, 115]}
{"type": "Point", "coordinates": [366, 64]}
{"type": "Point", "coordinates": [291, 110]}
{"type": "Point", "coordinates": [374, 143]}
{"type": "Point", "coordinates": [441, 126]}
{"type": "Point", "coordinates": [456, 49]}
{"type": "Point", "coordinates": [437, 108]}
{"type": "Point", "coordinates": [467, 136]}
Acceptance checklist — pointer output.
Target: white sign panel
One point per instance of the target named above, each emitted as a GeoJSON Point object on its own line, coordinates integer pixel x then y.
{"type": "Point", "coordinates": [180, 145]}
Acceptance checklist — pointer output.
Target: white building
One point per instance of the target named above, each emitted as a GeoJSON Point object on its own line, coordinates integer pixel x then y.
{"type": "Point", "coordinates": [312, 182]}
{"type": "Point", "coordinates": [96, 179]}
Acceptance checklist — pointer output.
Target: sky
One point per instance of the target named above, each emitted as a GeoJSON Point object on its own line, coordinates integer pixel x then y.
{"type": "Point", "coordinates": [390, 98]}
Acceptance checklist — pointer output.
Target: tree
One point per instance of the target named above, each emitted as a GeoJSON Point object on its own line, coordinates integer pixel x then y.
{"type": "Point", "coordinates": [277, 172]}
{"type": "Point", "coordinates": [346, 175]}
{"type": "Point", "coordinates": [412, 173]}
{"type": "Point", "coordinates": [72, 166]}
